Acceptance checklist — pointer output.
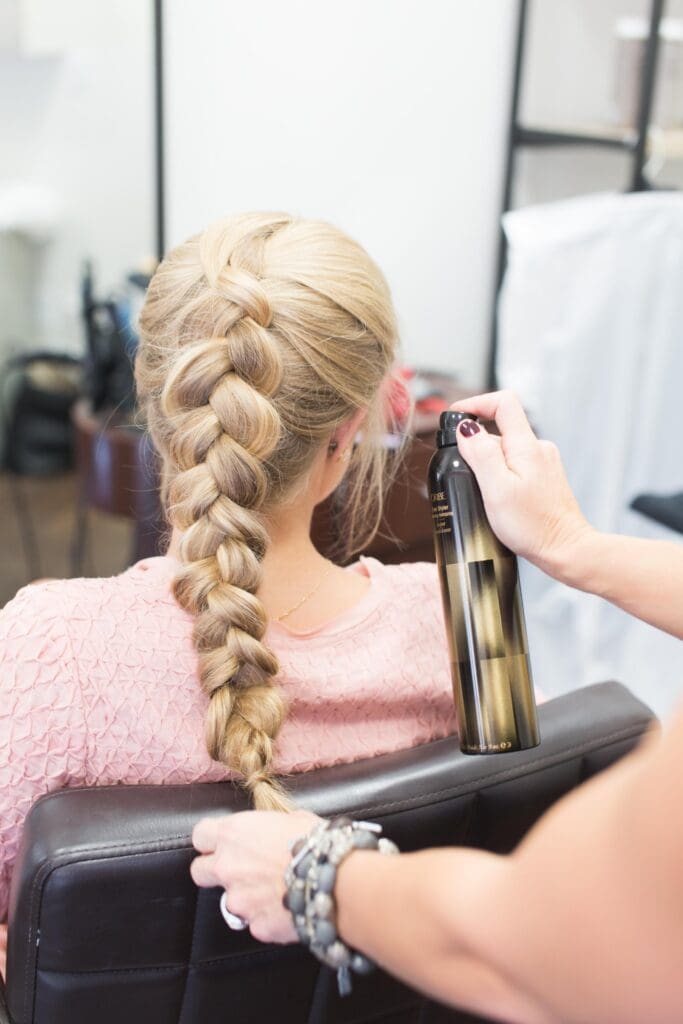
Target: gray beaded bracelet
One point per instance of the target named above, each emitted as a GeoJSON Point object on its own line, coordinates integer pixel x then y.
{"type": "Point", "coordinates": [310, 880]}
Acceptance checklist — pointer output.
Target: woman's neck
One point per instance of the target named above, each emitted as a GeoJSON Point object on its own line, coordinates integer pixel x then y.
{"type": "Point", "coordinates": [290, 545]}
{"type": "Point", "coordinates": [293, 567]}
{"type": "Point", "coordinates": [291, 562]}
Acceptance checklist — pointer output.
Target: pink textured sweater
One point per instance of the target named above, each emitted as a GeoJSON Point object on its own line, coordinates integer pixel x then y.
{"type": "Point", "coordinates": [98, 685]}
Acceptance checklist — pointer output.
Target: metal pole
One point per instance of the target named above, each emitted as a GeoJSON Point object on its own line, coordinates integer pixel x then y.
{"type": "Point", "coordinates": [522, 13]}
{"type": "Point", "coordinates": [647, 89]}
{"type": "Point", "coordinates": [159, 169]}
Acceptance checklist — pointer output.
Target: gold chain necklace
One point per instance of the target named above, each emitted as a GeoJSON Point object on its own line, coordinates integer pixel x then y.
{"type": "Point", "coordinates": [306, 597]}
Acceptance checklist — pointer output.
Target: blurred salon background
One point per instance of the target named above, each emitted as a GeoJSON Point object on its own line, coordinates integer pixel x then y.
{"type": "Point", "coordinates": [514, 167]}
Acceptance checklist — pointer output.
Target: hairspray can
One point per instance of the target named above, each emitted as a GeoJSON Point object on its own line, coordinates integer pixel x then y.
{"type": "Point", "coordinates": [482, 605]}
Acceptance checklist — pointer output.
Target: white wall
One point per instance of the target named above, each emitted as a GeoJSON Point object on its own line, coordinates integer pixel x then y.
{"type": "Point", "coordinates": [387, 117]}
{"type": "Point", "coordinates": [77, 114]}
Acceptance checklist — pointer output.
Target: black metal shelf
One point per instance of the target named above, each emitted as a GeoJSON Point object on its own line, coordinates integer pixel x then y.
{"type": "Point", "coordinates": [627, 141]}
{"type": "Point", "coordinates": [634, 142]}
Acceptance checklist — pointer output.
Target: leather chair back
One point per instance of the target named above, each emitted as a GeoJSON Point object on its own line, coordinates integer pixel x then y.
{"type": "Point", "coordinates": [106, 926]}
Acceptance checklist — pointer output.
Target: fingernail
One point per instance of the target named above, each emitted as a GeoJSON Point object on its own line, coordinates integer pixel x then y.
{"type": "Point", "coordinates": [468, 427]}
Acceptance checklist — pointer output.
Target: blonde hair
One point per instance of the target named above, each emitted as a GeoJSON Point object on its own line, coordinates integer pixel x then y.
{"type": "Point", "coordinates": [257, 339]}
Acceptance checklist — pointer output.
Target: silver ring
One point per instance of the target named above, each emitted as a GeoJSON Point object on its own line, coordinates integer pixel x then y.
{"type": "Point", "coordinates": [234, 921]}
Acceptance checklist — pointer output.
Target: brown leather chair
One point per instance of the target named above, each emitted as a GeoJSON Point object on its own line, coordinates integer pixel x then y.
{"type": "Point", "coordinates": [106, 926]}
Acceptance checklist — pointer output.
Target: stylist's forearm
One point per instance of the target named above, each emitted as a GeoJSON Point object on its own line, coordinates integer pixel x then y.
{"type": "Point", "coordinates": [406, 913]}
{"type": "Point", "coordinates": [644, 577]}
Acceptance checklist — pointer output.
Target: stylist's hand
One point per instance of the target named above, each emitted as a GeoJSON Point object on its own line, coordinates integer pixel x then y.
{"type": "Point", "coordinates": [247, 854]}
{"type": "Point", "coordinates": [527, 498]}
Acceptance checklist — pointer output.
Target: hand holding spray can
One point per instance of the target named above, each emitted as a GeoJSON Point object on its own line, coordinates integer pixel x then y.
{"type": "Point", "coordinates": [482, 606]}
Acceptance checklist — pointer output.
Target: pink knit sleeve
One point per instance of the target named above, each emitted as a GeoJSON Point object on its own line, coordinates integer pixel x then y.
{"type": "Point", "coordinates": [42, 726]}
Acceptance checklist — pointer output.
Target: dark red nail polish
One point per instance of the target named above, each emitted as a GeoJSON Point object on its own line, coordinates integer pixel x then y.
{"type": "Point", "coordinates": [468, 428]}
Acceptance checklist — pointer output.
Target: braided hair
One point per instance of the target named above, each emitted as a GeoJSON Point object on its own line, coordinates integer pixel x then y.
{"type": "Point", "coordinates": [257, 339]}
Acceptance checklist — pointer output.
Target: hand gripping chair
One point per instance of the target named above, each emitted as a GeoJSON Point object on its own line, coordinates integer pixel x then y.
{"type": "Point", "coordinates": [106, 926]}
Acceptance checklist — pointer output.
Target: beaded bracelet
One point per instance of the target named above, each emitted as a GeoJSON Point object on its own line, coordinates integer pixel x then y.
{"type": "Point", "coordinates": [310, 880]}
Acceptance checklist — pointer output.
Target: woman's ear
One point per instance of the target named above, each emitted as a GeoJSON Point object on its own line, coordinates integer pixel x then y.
{"type": "Point", "coordinates": [345, 434]}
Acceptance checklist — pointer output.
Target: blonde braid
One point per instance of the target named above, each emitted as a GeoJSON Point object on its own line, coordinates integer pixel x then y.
{"type": "Point", "coordinates": [258, 338]}
{"type": "Point", "coordinates": [217, 396]}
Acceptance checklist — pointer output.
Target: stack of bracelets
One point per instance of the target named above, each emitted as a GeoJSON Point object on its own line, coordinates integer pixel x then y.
{"type": "Point", "coordinates": [310, 880]}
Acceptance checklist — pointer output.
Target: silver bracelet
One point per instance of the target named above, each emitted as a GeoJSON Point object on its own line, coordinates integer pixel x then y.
{"type": "Point", "coordinates": [310, 880]}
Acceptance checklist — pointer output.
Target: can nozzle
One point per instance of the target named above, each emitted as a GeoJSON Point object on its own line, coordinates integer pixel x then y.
{"type": "Point", "coordinates": [447, 433]}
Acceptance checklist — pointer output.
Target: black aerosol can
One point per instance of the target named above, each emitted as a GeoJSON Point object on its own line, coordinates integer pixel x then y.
{"type": "Point", "coordinates": [482, 606]}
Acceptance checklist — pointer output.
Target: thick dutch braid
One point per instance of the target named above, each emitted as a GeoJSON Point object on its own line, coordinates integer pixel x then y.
{"type": "Point", "coordinates": [242, 380]}
{"type": "Point", "coordinates": [218, 395]}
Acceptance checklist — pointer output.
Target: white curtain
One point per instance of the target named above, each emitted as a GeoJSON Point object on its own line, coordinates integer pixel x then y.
{"type": "Point", "coordinates": [591, 337]}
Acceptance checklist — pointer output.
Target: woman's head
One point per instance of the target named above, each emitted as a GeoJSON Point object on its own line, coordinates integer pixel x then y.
{"type": "Point", "coordinates": [260, 338]}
